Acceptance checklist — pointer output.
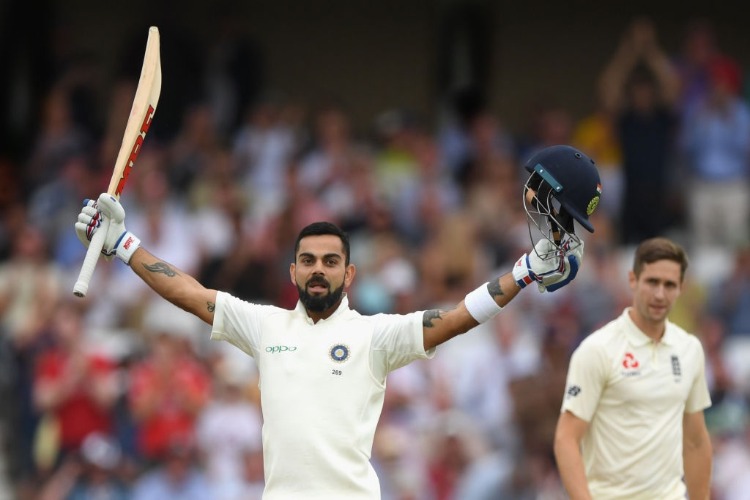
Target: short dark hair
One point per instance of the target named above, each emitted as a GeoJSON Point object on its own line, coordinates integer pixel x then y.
{"type": "Point", "coordinates": [322, 228]}
{"type": "Point", "coordinates": [659, 248]}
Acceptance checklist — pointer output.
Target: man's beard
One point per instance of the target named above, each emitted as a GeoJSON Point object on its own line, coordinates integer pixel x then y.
{"type": "Point", "coordinates": [319, 303]}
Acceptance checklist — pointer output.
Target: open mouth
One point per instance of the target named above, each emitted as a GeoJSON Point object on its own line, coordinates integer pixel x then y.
{"type": "Point", "coordinates": [317, 286]}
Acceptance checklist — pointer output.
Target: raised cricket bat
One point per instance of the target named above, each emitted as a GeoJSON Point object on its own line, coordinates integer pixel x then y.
{"type": "Point", "coordinates": [141, 115]}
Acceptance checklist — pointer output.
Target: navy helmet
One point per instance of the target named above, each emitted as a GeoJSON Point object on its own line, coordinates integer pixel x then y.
{"type": "Point", "coordinates": [564, 187]}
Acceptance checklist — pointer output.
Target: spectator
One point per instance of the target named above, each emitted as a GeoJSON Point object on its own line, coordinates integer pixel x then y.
{"type": "Point", "coordinates": [193, 148]}
{"type": "Point", "coordinates": [492, 200]}
{"type": "Point", "coordinates": [326, 159]}
{"type": "Point", "coordinates": [169, 388]}
{"type": "Point", "coordinates": [698, 50]}
{"type": "Point", "coordinates": [91, 474]}
{"type": "Point", "coordinates": [58, 138]}
{"type": "Point", "coordinates": [455, 447]}
{"type": "Point", "coordinates": [74, 384]}
{"type": "Point", "coordinates": [262, 151]}
{"type": "Point", "coordinates": [448, 261]}
{"type": "Point", "coordinates": [395, 162]}
{"type": "Point", "coordinates": [551, 124]}
{"type": "Point", "coordinates": [715, 143]}
{"type": "Point", "coordinates": [177, 476]}
{"type": "Point", "coordinates": [487, 139]}
{"type": "Point", "coordinates": [596, 134]}
{"type": "Point", "coordinates": [639, 87]}
{"type": "Point", "coordinates": [237, 251]}
{"type": "Point", "coordinates": [228, 435]}
{"type": "Point", "coordinates": [60, 193]}
{"type": "Point", "coordinates": [30, 288]}
{"type": "Point", "coordinates": [729, 298]}
{"type": "Point", "coordinates": [389, 278]}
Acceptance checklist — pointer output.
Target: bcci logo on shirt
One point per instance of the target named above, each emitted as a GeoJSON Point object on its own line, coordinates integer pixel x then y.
{"type": "Point", "coordinates": [339, 353]}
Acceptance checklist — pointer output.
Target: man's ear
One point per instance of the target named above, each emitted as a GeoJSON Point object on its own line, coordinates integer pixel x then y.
{"type": "Point", "coordinates": [292, 267]}
{"type": "Point", "coordinates": [632, 279]}
{"type": "Point", "coordinates": [351, 270]}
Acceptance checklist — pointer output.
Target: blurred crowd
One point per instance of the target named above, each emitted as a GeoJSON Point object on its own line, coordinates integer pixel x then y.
{"type": "Point", "coordinates": [122, 394]}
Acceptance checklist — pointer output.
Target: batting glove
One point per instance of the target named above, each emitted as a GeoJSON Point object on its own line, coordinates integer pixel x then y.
{"type": "Point", "coordinates": [119, 241]}
{"type": "Point", "coordinates": [559, 268]}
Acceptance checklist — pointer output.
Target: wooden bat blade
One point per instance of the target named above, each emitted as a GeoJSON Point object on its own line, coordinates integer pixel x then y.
{"type": "Point", "coordinates": [141, 114]}
{"type": "Point", "coordinates": [139, 121]}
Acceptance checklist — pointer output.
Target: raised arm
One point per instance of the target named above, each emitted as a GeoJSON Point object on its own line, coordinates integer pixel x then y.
{"type": "Point", "coordinates": [487, 300]}
{"type": "Point", "coordinates": [654, 56]}
{"type": "Point", "coordinates": [172, 284]}
{"type": "Point", "coordinates": [611, 82]}
{"type": "Point", "coordinates": [639, 45]}
{"type": "Point", "coordinates": [440, 326]}
{"type": "Point", "coordinates": [179, 288]}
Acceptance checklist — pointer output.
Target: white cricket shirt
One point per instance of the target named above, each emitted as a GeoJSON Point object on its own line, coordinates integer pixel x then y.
{"type": "Point", "coordinates": [322, 387]}
{"type": "Point", "coordinates": [633, 392]}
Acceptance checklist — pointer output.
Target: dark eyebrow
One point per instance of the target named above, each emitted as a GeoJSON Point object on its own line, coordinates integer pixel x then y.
{"type": "Point", "coordinates": [326, 256]}
{"type": "Point", "coordinates": [305, 254]}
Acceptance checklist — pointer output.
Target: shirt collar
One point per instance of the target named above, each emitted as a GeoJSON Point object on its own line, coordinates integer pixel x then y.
{"type": "Point", "coordinates": [637, 338]}
{"type": "Point", "coordinates": [343, 306]}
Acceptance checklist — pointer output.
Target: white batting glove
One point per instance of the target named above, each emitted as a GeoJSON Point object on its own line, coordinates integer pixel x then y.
{"type": "Point", "coordinates": [119, 241]}
{"type": "Point", "coordinates": [551, 273]}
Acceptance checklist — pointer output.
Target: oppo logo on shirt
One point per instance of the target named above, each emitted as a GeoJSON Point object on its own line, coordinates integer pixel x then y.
{"type": "Point", "coordinates": [280, 348]}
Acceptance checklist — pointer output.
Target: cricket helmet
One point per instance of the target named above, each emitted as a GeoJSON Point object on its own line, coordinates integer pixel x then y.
{"type": "Point", "coordinates": [564, 186]}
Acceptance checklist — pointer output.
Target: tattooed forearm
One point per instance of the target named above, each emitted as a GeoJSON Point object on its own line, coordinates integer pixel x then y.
{"type": "Point", "coordinates": [160, 267]}
{"type": "Point", "coordinates": [430, 315]}
{"type": "Point", "coordinates": [210, 306]}
{"type": "Point", "coordinates": [495, 289]}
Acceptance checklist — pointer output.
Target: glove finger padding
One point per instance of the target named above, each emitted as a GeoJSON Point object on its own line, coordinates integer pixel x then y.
{"type": "Point", "coordinates": [81, 228]}
{"type": "Point", "coordinates": [550, 266]}
{"type": "Point", "coordinates": [90, 220]}
{"type": "Point", "coordinates": [568, 276]}
{"type": "Point", "coordinates": [568, 262]}
{"type": "Point", "coordinates": [95, 221]}
{"type": "Point", "coordinates": [119, 240]}
{"type": "Point", "coordinates": [112, 208]}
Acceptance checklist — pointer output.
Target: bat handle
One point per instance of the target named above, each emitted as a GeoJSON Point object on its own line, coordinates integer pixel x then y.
{"type": "Point", "coordinates": [92, 257]}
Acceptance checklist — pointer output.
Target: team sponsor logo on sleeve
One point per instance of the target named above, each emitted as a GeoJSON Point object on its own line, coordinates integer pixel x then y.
{"type": "Point", "coordinates": [573, 391]}
{"type": "Point", "coordinates": [339, 353]}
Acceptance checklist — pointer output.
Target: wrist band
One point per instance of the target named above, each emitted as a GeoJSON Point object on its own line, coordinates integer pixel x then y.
{"type": "Point", "coordinates": [481, 305]}
{"type": "Point", "coordinates": [521, 272]}
{"type": "Point", "coordinates": [126, 246]}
